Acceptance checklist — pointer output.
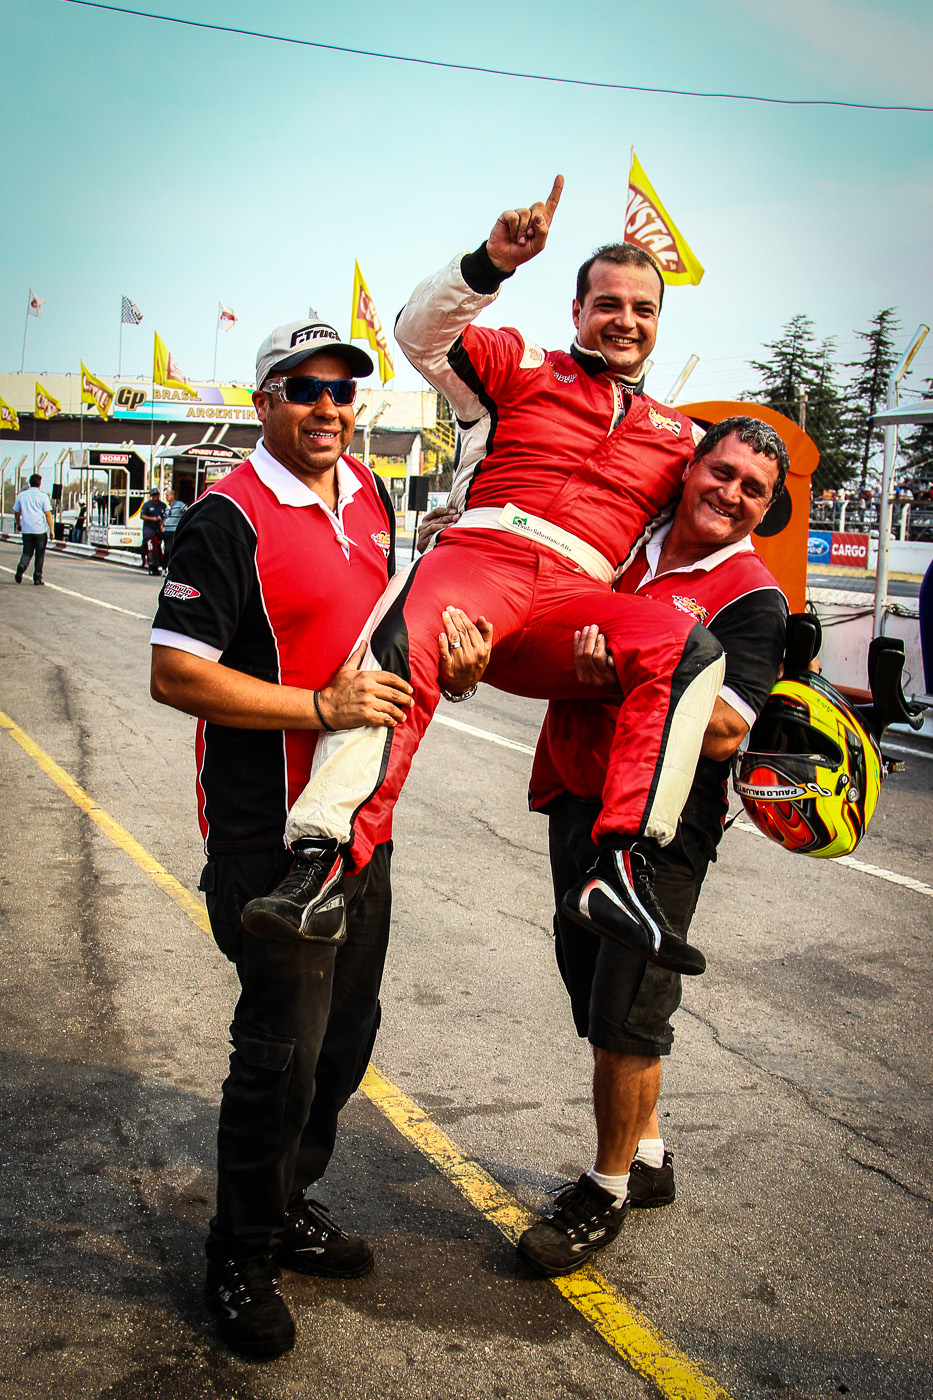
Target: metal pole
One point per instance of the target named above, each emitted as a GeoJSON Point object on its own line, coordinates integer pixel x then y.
{"type": "Point", "coordinates": [887, 480]}
{"type": "Point", "coordinates": [120, 360]}
{"type": "Point", "coordinates": [22, 368]}
{"type": "Point", "coordinates": [682, 378]}
{"type": "Point", "coordinates": [216, 338]}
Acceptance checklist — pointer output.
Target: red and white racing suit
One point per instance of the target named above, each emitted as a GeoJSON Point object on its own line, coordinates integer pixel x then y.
{"type": "Point", "coordinates": [574, 469]}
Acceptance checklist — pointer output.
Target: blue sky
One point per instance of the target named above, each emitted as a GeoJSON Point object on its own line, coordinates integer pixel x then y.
{"type": "Point", "coordinates": [181, 167]}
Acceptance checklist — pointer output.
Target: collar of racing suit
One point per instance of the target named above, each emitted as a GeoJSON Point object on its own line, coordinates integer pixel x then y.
{"type": "Point", "coordinates": [593, 363]}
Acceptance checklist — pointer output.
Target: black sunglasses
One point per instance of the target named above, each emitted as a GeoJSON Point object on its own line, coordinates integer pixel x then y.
{"type": "Point", "coordinates": [303, 388]}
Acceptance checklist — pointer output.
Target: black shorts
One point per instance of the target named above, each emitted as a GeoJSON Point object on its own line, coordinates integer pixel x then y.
{"type": "Point", "coordinates": [619, 1001]}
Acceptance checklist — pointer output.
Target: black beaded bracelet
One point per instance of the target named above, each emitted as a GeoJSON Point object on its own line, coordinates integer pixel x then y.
{"type": "Point", "coordinates": [455, 699]}
{"type": "Point", "coordinates": [317, 706]}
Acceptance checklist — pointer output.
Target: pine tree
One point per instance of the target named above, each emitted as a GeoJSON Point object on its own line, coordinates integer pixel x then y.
{"type": "Point", "coordinates": [800, 381]}
{"type": "Point", "coordinates": [915, 456]}
{"type": "Point", "coordinates": [826, 423]}
{"type": "Point", "coordinates": [792, 366]}
{"type": "Point", "coordinates": [868, 388]}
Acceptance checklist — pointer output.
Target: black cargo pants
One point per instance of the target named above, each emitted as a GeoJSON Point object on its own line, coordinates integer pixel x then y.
{"type": "Point", "coordinates": [302, 1032]}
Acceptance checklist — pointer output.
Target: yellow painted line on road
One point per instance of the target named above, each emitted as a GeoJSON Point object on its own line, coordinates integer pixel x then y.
{"type": "Point", "coordinates": [117, 834]}
{"type": "Point", "coordinates": [629, 1333]}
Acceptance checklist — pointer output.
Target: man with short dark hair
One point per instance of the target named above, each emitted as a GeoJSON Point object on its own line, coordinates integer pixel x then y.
{"type": "Point", "coordinates": [153, 514]}
{"type": "Point", "coordinates": [575, 462]}
{"type": "Point", "coordinates": [273, 574]}
{"type": "Point", "coordinates": [701, 563]}
{"type": "Point", "coordinates": [32, 514]}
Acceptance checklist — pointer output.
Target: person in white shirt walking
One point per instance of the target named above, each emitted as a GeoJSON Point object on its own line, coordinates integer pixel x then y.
{"type": "Point", "coordinates": [32, 511]}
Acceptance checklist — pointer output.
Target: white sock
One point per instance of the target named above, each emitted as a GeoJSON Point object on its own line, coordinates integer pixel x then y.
{"type": "Point", "coordinates": [618, 1185]}
{"type": "Point", "coordinates": [651, 1152]}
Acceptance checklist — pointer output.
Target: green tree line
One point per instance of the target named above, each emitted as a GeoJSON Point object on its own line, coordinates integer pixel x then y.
{"type": "Point", "coordinates": [834, 401]}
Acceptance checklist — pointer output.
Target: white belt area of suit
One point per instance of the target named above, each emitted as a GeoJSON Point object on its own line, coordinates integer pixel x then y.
{"type": "Point", "coordinates": [516, 521]}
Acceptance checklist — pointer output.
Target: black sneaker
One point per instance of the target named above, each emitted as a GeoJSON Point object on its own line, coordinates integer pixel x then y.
{"type": "Point", "coordinates": [252, 1315]}
{"type": "Point", "coordinates": [308, 903]}
{"type": "Point", "coordinates": [649, 1187]}
{"type": "Point", "coordinates": [39, 582]}
{"type": "Point", "coordinates": [583, 1219]}
{"type": "Point", "coordinates": [313, 1244]}
{"type": "Point", "coordinates": [18, 576]}
{"type": "Point", "coordinates": [616, 899]}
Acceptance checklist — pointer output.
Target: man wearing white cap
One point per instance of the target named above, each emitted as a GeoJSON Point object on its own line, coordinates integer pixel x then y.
{"type": "Point", "coordinates": [273, 574]}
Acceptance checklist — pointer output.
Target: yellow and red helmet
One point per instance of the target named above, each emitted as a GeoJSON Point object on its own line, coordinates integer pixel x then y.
{"type": "Point", "coordinates": [811, 774]}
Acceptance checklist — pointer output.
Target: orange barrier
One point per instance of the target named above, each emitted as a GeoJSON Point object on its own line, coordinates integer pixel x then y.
{"type": "Point", "coordinates": [781, 538]}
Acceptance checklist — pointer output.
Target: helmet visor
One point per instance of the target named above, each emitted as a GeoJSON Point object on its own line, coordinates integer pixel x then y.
{"type": "Point", "coordinates": [779, 777]}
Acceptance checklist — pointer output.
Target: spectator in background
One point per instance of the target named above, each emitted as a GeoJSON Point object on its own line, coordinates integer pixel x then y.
{"type": "Point", "coordinates": [32, 514]}
{"type": "Point", "coordinates": [79, 528]}
{"type": "Point", "coordinates": [153, 516]}
{"type": "Point", "coordinates": [176, 509]}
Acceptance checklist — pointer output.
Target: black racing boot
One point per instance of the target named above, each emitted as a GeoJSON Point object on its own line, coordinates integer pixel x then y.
{"type": "Point", "coordinates": [616, 899]}
{"type": "Point", "coordinates": [313, 1244]}
{"type": "Point", "coordinates": [252, 1316]}
{"type": "Point", "coordinates": [308, 903]}
{"type": "Point", "coordinates": [583, 1219]}
{"type": "Point", "coordinates": [649, 1187]}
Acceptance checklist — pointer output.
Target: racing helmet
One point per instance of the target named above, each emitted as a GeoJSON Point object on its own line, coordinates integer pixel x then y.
{"type": "Point", "coordinates": [811, 773]}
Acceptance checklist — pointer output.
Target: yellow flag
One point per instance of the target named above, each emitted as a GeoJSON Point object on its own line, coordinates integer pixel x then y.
{"type": "Point", "coordinates": [9, 418]}
{"type": "Point", "coordinates": [365, 325]}
{"type": "Point", "coordinates": [47, 404]}
{"type": "Point", "coordinates": [95, 391]}
{"type": "Point", "coordinates": [649, 226]}
{"type": "Point", "coordinates": [165, 370]}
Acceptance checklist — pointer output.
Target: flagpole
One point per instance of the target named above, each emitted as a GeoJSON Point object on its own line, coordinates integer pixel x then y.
{"type": "Point", "coordinates": [152, 416]}
{"type": "Point", "coordinates": [120, 361]}
{"type": "Point", "coordinates": [22, 368]}
{"type": "Point", "coordinates": [216, 338]}
{"type": "Point", "coordinates": [631, 165]}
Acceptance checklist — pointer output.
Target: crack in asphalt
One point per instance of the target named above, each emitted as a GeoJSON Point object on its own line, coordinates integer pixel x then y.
{"type": "Point", "coordinates": [858, 1133]}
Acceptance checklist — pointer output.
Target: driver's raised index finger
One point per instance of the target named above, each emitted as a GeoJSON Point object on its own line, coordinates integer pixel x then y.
{"type": "Point", "coordinates": [553, 198]}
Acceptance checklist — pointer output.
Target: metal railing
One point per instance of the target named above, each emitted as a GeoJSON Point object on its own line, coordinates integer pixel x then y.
{"type": "Point", "coordinates": [910, 520]}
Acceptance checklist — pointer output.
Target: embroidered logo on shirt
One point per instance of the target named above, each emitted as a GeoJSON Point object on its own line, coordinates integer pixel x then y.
{"type": "Point", "coordinates": [698, 434]}
{"type": "Point", "coordinates": [673, 425]}
{"type": "Point", "coordinates": [182, 591]}
{"type": "Point", "coordinates": [382, 540]}
{"type": "Point", "coordinates": [532, 357]}
{"type": "Point", "coordinates": [691, 606]}
{"type": "Point", "coordinates": [564, 378]}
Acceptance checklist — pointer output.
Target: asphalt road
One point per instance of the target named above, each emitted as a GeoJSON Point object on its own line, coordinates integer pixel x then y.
{"type": "Point", "coordinates": [860, 583]}
{"type": "Point", "coordinates": [796, 1260]}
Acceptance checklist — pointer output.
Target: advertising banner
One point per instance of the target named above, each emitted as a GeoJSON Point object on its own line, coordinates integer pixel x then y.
{"type": "Point", "coordinates": [211, 403]}
{"type": "Point", "coordinates": [819, 547]}
{"type": "Point", "coordinates": [849, 549]}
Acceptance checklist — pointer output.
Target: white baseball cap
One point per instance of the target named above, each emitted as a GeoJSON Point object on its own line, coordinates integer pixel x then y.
{"type": "Point", "coordinates": [288, 345]}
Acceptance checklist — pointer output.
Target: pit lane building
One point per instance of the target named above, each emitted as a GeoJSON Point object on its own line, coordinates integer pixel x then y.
{"type": "Point", "coordinates": [171, 438]}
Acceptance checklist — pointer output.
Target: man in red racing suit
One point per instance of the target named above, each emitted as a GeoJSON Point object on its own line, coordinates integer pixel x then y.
{"type": "Point", "coordinates": [577, 463]}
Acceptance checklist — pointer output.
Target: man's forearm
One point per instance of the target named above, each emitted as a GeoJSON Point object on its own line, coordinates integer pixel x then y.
{"type": "Point", "coordinates": [217, 693]}
{"type": "Point", "coordinates": [439, 311]}
{"type": "Point", "coordinates": [351, 699]}
{"type": "Point", "coordinates": [724, 733]}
